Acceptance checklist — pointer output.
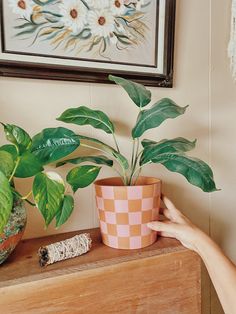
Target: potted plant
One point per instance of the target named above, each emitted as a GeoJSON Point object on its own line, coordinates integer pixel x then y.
{"type": "Point", "coordinates": [126, 203]}
{"type": "Point", "coordinates": [26, 157]}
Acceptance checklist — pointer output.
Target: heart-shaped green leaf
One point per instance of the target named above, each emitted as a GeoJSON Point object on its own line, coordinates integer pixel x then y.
{"type": "Point", "coordinates": [48, 192]}
{"type": "Point", "coordinates": [6, 201]}
{"type": "Point", "coordinates": [153, 149]}
{"type": "Point", "coordinates": [29, 165]}
{"type": "Point", "coordinates": [53, 144]}
{"type": "Point", "coordinates": [67, 208]}
{"type": "Point", "coordinates": [6, 163]}
{"type": "Point", "coordinates": [99, 160]}
{"type": "Point", "coordinates": [82, 176]}
{"type": "Point", "coordinates": [17, 136]}
{"type": "Point", "coordinates": [196, 171]}
{"type": "Point", "coordinates": [158, 113]}
{"type": "Point", "coordinates": [85, 116]}
{"type": "Point", "coordinates": [137, 92]}
{"type": "Point", "coordinates": [11, 149]}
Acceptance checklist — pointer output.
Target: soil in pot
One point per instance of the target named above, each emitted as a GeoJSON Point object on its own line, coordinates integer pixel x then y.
{"type": "Point", "coordinates": [124, 211]}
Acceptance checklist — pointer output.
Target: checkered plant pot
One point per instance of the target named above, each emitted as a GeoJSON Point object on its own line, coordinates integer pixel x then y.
{"type": "Point", "coordinates": [124, 211]}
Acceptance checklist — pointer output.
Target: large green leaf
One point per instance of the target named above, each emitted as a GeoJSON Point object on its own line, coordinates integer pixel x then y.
{"type": "Point", "coordinates": [86, 116]}
{"type": "Point", "coordinates": [100, 160]}
{"type": "Point", "coordinates": [67, 208]}
{"type": "Point", "coordinates": [111, 151]}
{"type": "Point", "coordinates": [196, 171]}
{"type": "Point", "coordinates": [137, 92]}
{"type": "Point", "coordinates": [48, 192]}
{"type": "Point", "coordinates": [82, 176]}
{"type": "Point", "coordinates": [153, 149]}
{"type": "Point", "coordinates": [158, 113]}
{"type": "Point", "coordinates": [53, 144]}
{"type": "Point", "coordinates": [6, 163]}
{"type": "Point", "coordinates": [17, 136]}
{"type": "Point", "coordinates": [11, 149]}
{"type": "Point", "coordinates": [29, 166]}
{"type": "Point", "coordinates": [6, 201]}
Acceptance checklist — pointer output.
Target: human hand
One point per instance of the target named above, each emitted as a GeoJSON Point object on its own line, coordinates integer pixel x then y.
{"type": "Point", "coordinates": [177, 226]}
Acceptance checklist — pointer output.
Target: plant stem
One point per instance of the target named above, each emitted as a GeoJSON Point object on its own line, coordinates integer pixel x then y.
{"type": "Point", "coordinates": [138, 169]}
{"type": "Point", "coordinates": [117, 147]}
{"type": "Point", "coordinates": [135, 162]}
{"type": "Point", "coordinates": [133, 150]}
{"type": "Point", "coordinates": [110, 155]}
{"type": "Point", "coordinates": [14, 170]}
{"type": "Point", "coordinates": [26, 196]}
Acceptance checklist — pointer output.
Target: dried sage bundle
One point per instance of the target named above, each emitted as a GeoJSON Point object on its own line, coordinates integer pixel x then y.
{"type": "Point", "coordinates": [63, 250]}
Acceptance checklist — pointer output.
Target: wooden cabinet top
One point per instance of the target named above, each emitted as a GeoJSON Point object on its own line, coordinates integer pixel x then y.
{"type": "Point", "coordinates": [22, 266]}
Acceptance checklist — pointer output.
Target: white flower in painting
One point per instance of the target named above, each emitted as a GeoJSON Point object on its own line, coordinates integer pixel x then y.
{"type": "Point", "coordinates": [74, 15]}
{"type": "Point", "coordinates": [101, 22]}
{"type": "Point", "coordinates": [140, 3]}
{"type": "Point", "coordinates": [118, 7]}
{"type": "Point", "coordinates": [24, 8]}
{"type": "Point", "coordinates": [98, 4]}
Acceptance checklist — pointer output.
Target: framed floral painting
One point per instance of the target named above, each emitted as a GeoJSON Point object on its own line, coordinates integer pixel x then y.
{"type": "Point", "coordinates": [85, 40]}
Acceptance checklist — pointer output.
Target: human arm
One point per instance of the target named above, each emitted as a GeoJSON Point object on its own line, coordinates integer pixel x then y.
{"type": "Point", "coordinates": [221, 270]}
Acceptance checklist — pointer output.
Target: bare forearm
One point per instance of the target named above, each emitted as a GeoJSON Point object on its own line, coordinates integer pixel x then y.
{"type": "Point", "coordinates": [221, 270]}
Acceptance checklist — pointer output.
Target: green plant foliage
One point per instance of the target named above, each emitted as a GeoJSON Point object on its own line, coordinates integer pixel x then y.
{"type": "Point", "coordinates": [82, 176]}
{"type": "Point", "coordinates": [6, 163]}
{"type": "Point", "coordinates": [17, 136]}
{"type": "Point", "coordinates": [153, 149]}
{"type": "Point", "coordinates": [158, 113]}
{"type": "Point", "coordinates": [99, 160]}
{"type": "Point", "coordinates": [48, 192]}
{"type": "Point", "coordinates": [6, 201]}
{"type": "Point", "coordinates": [53, 144]}
{"type": "Point", "coordinates": [137, 92]}
{"type": "Point", "coordinates": [67, 208]}
{"type": "Point", "coordinates": [196, 171]}
{"type": "Point", "coordinates": [28, 166]}
{"type": "Point", "coordinates": [85, 116]}
{"type": "Point", "coordinates": [108, 149]}
{"type": "Point", "coordinates": [11, 149]}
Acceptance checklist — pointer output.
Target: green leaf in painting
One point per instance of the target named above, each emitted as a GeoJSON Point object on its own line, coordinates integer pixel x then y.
{"type": "Point", "coordinates": [53, 144]}
{"type": "Point", "coordinates": [137, 92]}
{"type": "Point", "coordinates": [17, 136]}
{"type": "Point", "coordinates": [158, 113]}
{"type": "Point", "coordinates": [153, 149]}
{"type": "Point", "coordinates": [6, 201]}
{"type": "Point", "coordinates": [28, 166]}
{"type": "Point", "coordinates": [82, 176]}
{"type": "Point", "coordinates": [196, 171]}
{"type": "Point", "coordinates": [100, 160]}
{"type": "Point", "coordinates": [85, 116]}
{"type": "Point", "coordinates": [6, 163]}
{"type": "Point", "coordinates": [67, 208]}
{"type": "Point", "coordinates": [48, 192]}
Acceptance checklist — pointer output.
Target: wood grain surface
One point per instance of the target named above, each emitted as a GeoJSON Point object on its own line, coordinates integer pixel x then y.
{"type": "Point", "coordinates": [163, 278]}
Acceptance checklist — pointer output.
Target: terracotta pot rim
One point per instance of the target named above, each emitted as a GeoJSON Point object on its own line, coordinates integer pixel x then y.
{"type": "Point", "coordinates": [119, 183]}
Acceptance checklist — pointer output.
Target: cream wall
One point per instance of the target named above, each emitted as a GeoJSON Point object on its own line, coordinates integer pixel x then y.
{"type": "Point", "coordinates": [202, 80]}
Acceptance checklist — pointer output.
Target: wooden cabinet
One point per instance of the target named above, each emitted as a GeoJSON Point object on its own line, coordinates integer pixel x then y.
{"type": "Point", "coordinates": [163, 278]}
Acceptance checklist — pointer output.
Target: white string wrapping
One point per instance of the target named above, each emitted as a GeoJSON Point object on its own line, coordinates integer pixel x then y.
{"type": "Point", "coordinates": [232, 42]}
{"type": "Point", "coordinates": [63, 250]}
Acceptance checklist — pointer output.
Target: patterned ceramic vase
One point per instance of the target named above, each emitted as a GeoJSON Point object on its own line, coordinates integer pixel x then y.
{"type": "Point", "coordinates": [124, 211]}
{"type": "Point", "coordinates": [13, 231]}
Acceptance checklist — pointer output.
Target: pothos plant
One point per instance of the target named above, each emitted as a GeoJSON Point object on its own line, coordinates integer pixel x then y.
{"type": "Point", "coordinates": [26, 157]}
{"type": "Point", "coordinates": [171, 153]}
